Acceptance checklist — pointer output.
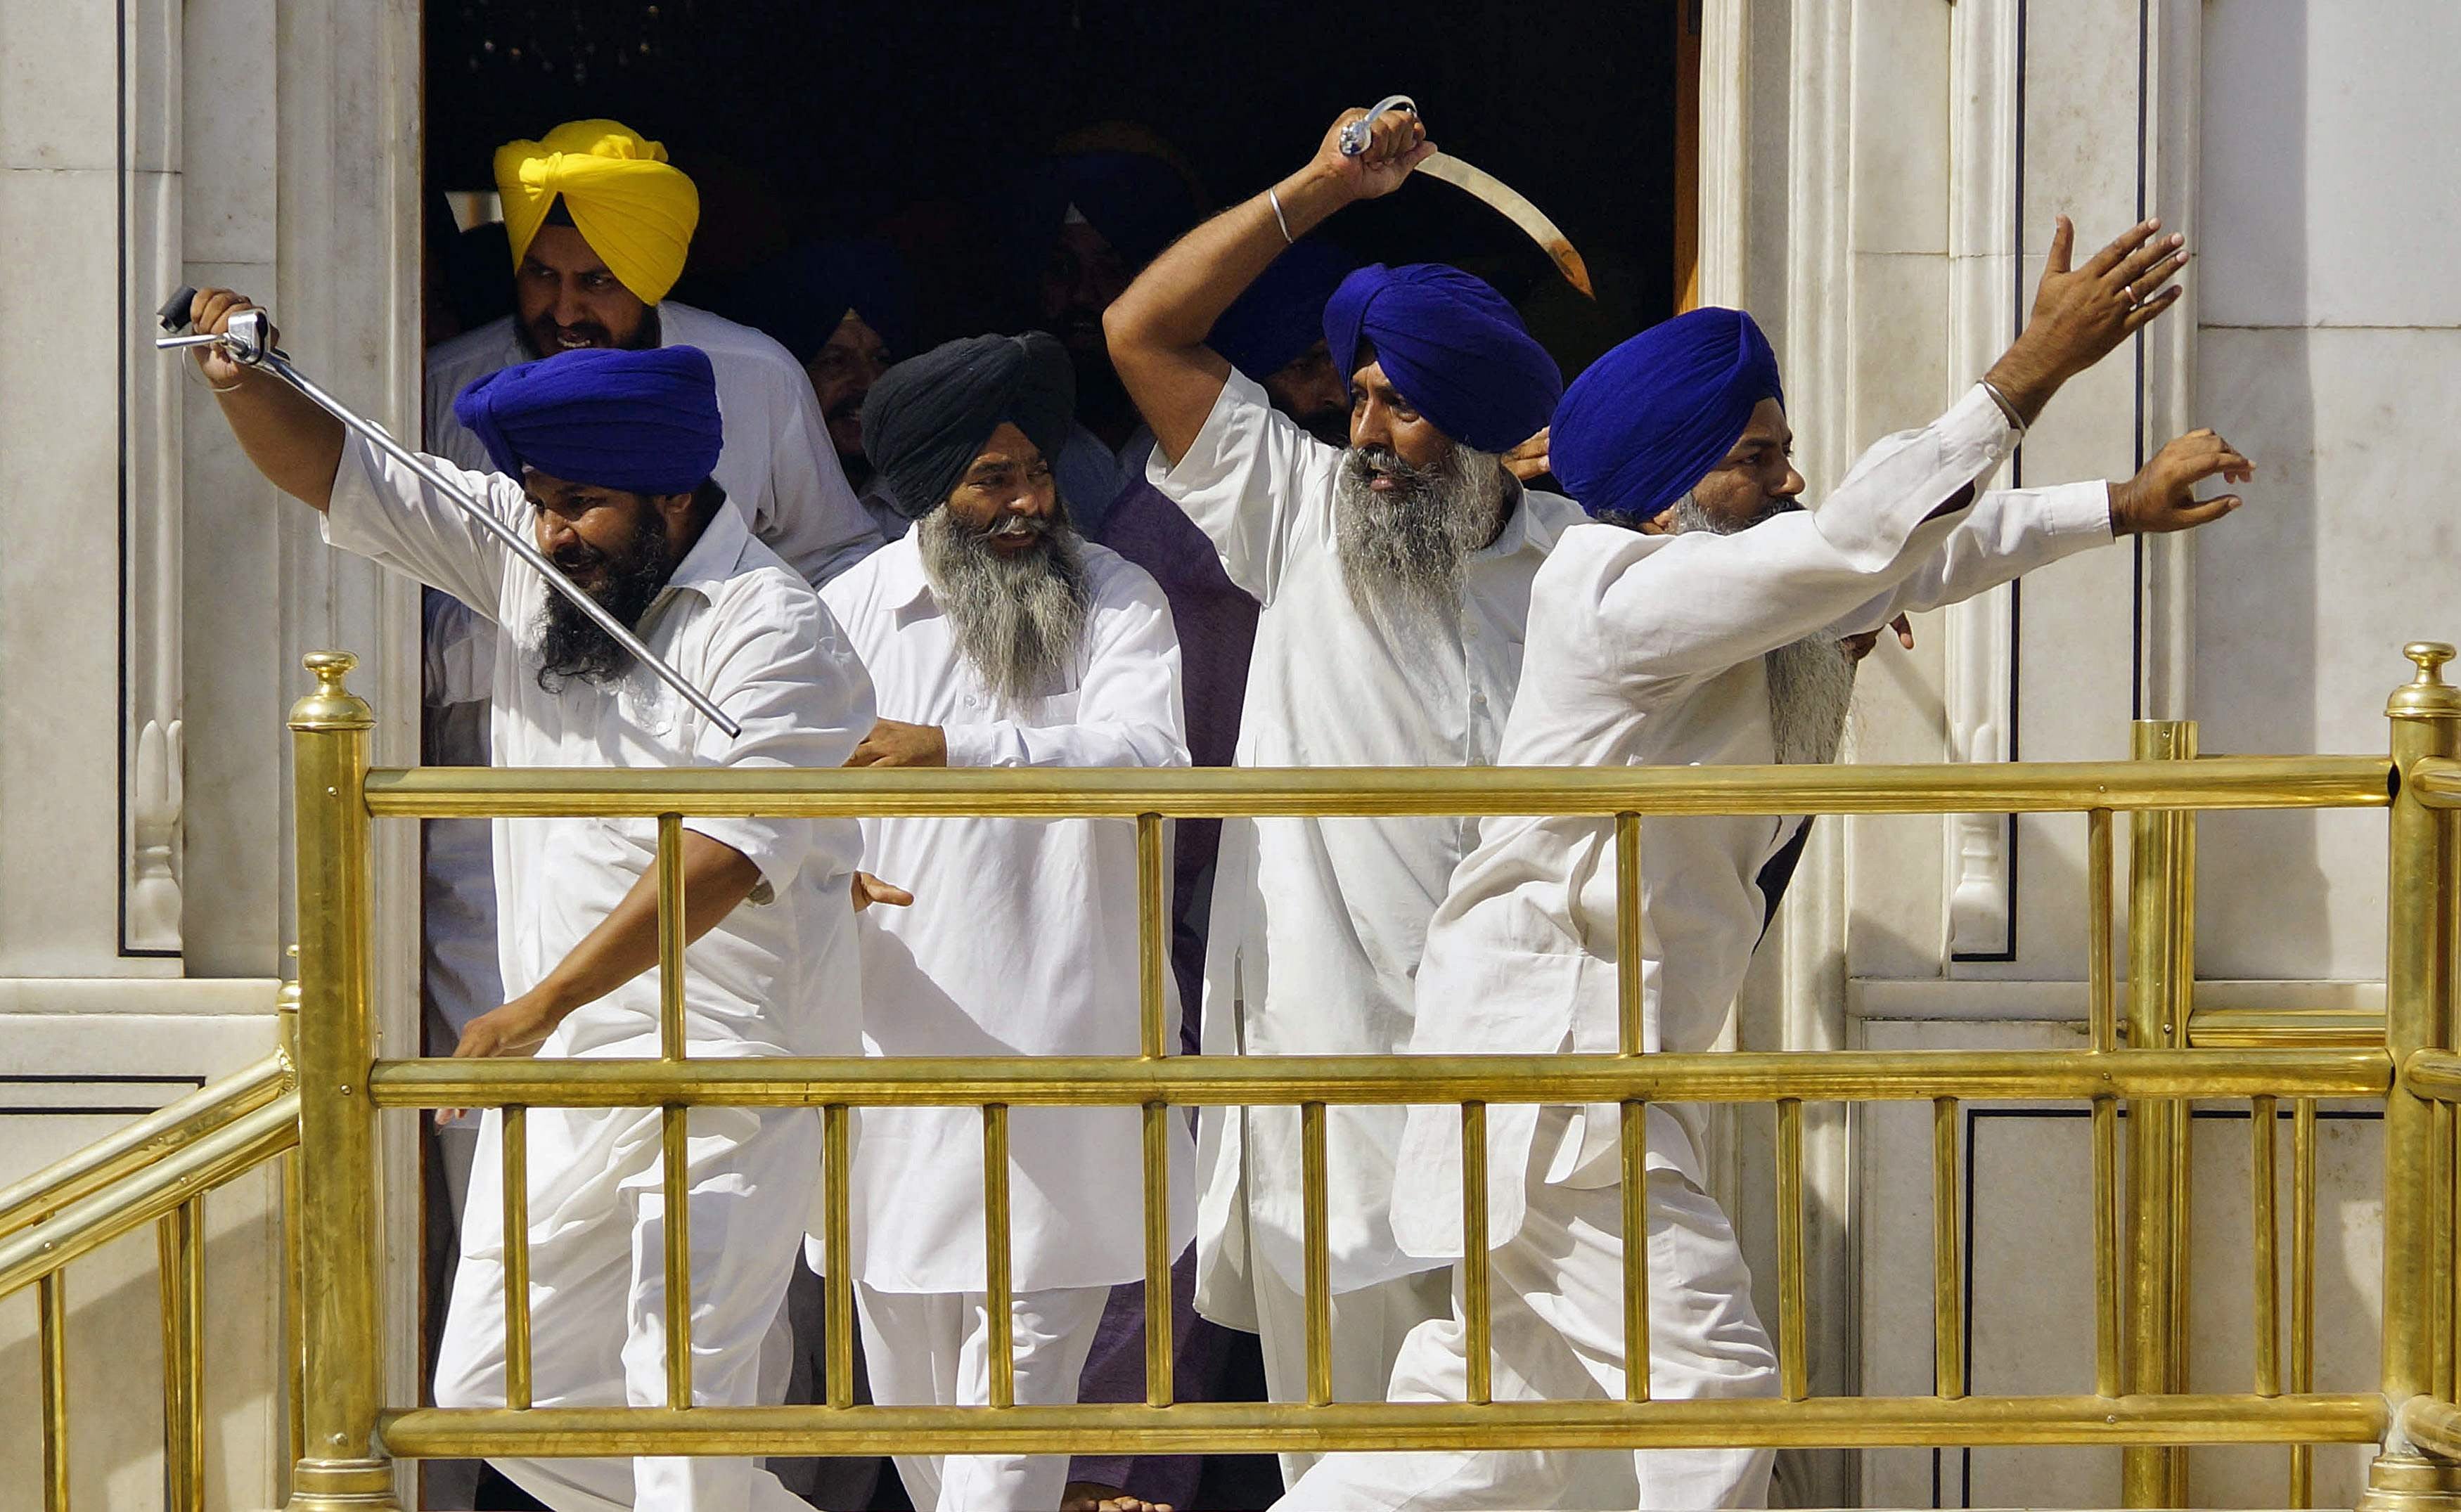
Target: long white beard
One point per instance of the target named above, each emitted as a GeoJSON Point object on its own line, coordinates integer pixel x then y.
{"type": "Point", "coordinates": [1810, 682]}
{"type": "Point", "coordinates": [1016, 618]}
{"type": "Point", "coordinates": [1405, 552]}
{"type": "Point", "coordinates": [1811, 687]}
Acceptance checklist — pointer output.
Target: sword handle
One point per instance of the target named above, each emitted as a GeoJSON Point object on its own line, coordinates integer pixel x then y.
{"type": "Point", "coordinates": [174, 313]}
{"type": "Point", "coordinates": [1356, 134]}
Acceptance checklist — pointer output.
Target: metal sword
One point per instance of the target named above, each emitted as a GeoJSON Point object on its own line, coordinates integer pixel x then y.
{"type": "Point", "coordinates": [1501, 197]}
{"type": "Point", "coordinates": [249, 342]}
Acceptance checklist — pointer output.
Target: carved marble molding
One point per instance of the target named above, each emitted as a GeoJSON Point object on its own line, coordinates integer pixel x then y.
{"type": "Point", "coordinates": [152, 786]}
{"type": "Point", "coordinates": [2173, 43]}
{"type": "Point", "coordinates": [1985, 178]}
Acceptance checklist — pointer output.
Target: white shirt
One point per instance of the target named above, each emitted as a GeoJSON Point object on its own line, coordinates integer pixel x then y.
{"type": "Point", "coordinates": [1318, 923]}
{"type": "Point", "coordinates": [1021, 941]}
{"type": "Point", "coordinates": [1649, 650]}
{"type": "Point", "coordinates": [779, 975]}
{"type": "Point", "coordinates": [778, 464]}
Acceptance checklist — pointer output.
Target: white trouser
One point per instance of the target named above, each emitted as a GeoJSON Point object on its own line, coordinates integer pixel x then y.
{"type": "Point", "coordinates": [598, 1292]}
{"type": "Point", "coordinates": [1556, 1316]}
{"type": "Point", "coordinates": [1369, 1326]}
{"type": "Point", "coordinates": [924, 1348]}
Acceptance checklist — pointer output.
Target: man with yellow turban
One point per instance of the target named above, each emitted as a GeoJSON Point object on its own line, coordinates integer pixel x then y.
{"type": "Point", "coordinates": [600, 224]}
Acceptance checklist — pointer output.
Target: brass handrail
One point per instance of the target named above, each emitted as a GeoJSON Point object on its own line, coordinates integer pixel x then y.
{"type": "Point", "coordinates": [2266, 1028]}
{"type": "Point", "coordinates": [160, 1133]}
{"type": "Point", "coordinates": [140, 1197]}
{"type": "Point", "coordinates": [1129, 1081]}
{"type": "Point", "coordinates": [2039, 787]}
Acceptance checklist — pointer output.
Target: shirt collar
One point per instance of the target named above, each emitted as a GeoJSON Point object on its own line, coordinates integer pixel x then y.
{"type": "Point", "coordinates": [1515, 533]}
{"type": "Point", "coordinates": [717, 556]}
{"type": "Point", "coordinates": [905, 587]}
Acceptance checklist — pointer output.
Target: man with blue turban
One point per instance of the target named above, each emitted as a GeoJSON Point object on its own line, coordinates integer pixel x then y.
{"type": "Point", "coordinates": [605, 457]}
{"type": "Point", "coordinates": [1394, 575]}
{"type": "Point", "coordinates": [1700, 622]}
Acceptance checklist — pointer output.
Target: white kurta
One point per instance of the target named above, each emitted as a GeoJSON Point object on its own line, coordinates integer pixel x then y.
{"type": "Point", "coordinates": [779, 975]}
{"type": "Point", "coordinates": [1648, 651]}
{"type": "Point", "coordinates": [1318, 923]}
{"type": "Point", "coordinates": [1021, 941]}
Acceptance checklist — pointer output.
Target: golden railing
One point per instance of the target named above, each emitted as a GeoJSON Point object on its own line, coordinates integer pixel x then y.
{"type": "Point", "coordinates": [156, 1170]}
{"type": "Point", "coordinates": [2138, 1401]}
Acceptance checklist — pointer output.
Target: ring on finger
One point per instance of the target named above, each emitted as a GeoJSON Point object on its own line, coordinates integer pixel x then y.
{"type": "Point", "coordinates": [2128, 291]}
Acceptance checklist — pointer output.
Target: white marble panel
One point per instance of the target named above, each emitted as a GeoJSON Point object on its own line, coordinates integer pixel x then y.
{"type": "Point", "coordinates": [2080, 119]}
{"type": "Point", "coordinates": [229, 159]}
{"type": "Point", "coordinates": [1899, 147]}
{"type": "Point", "coordinates": [60, 585]}
{"type": "Point", "coordinates": [2330, 155]}
{"type": "Point", "coordinates": [2303, 601]}
{"type": "Point", "coordinates": [59, 85]}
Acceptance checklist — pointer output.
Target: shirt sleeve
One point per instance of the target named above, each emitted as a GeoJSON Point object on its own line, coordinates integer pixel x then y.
{"type": "Point", "coordinates": [1127, 706]}
{"type": "Point", "coordinates": [1703, 602]}
{"type": "Point", "coordinates": [382, 510]}
{"type": "Point", "coordinates": [2008, 534]}
{"type": "Point", "coordinates": [1253, 481]}
{"type": "Point", "coordinates": [811, 517]}
{"type": "Point", "coordinates": [785, 672]}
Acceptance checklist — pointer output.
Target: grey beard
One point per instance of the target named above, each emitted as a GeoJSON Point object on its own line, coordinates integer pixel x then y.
{"type": "Point", "coordinates": [1017, 619]}
{"type": "Point", "coordinates": [1811, 687]}
{"type": "Point", "coordinates": [1408, 550]}
{"type": "Point", "coordinates": [1810, 682]}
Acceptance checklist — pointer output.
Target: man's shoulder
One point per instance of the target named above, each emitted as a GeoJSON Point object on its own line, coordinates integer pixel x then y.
{"type": "Point", "coordinates": [727, 342]}
{"type": "Point", "coordinates": [1113, 582]}
{"type": "Point", "coordinates": [473, 352]}
{"type": "Point", "coordinates": [857, 590]}
{"type": "Point", "coordinates": [1549, 515]}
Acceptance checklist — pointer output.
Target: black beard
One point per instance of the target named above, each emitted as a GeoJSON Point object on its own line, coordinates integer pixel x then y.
{"type": "Point", "coordinates": [571, 645]}
{"type": "Point", "coordinates": [648, 335]}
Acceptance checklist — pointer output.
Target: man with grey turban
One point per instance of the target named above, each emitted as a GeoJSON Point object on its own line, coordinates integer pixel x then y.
{"type": "Point", "coordinates": [996, 636]}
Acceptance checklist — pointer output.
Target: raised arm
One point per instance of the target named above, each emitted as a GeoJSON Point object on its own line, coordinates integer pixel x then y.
{"type": "Point", "coordinates": [295, 444]}
{"type": "Point", "coordinates": [1157, 329]}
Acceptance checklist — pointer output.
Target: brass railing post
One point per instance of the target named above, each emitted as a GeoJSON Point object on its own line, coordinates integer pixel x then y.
{"type": "Point", "coordinates": [339, 1255]}
{"type": "Point", "coordinates": [2425, 714]}
{"type": "Point", "coordinates": [2161, 862]}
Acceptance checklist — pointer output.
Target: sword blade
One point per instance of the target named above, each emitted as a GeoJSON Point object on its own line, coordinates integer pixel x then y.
{"type": "Point", "coordinates": [1515, 206]}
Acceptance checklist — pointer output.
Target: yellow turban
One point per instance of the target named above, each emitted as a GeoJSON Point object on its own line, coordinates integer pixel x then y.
{"type": "Point", "coordinates": [634, 208]}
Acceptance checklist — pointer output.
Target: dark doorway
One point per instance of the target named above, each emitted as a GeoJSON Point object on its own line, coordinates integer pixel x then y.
{"type": "Point", "coordinates": [913, 118]}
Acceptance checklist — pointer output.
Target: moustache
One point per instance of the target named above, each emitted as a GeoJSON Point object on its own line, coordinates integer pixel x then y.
{"type": "Point", "coordinates": [551, 336]}
{"type": "Point", "coordinates": [1020, 527]}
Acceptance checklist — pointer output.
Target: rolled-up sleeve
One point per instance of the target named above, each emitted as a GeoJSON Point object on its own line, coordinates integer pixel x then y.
{"type": "Point", "coordinates": [384, 511]}
{"type": "Point", "coordinates": [783, 670]}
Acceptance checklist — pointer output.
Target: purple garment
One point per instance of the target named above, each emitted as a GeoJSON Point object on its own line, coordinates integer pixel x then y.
{"type": "Point", "coordinates": [1217, 632]}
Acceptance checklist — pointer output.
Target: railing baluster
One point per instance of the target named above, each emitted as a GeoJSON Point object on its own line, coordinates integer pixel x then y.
{"type": "Point", "coordinates": [1635, 1129]}
{"type": "Point", "coordinates": [2262, 1133]}
{"type": "Point", "coordinates": [514, 1129]}
{"type": "Point", "coordinates": [2302, 1286]}
{"type": "Point", "coordinates": [837, 1246]}
{"type": "Point", "coordinates": [1316, 1287]}
{"type": "Point", "coordinates": [2102, 992]}
{"type": "Point", "coordinates": [1153, 978]}
{"type": "Point", "coordinates": [50, 1303]}
{"type": "Point", "coordinates": [2101, 1019]}
{"type": "Point", "coordinates": [997, 1306]}
{"type": "Point", "coordinates": [1794, 1369]}
{"type": "Point", "coordinates": [1947, 1273]}
{"type": "Point", "coordinates": [674, 1119]}
{"type": "Point", "coordinates": [1634, 1132]}
{"type": "Point", "coordinates": [1480, 1345]}
{"type": "Point", "coordinates": [180, 1243]}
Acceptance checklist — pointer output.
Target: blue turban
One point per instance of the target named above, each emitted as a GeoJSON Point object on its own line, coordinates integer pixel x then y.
{"type": "Point", "coordinates": [1452, 346]}
{"type": "Point", "coordinates": [645, 422]}
{"type": "Point", "coordinates": [1137, 201]}
{"type": "Point", "coordinates": [1282, 313]}
{"type": "Point", "coordinates": [1652, 417]}
{"type": "Point", "coordinates": [800, 298]}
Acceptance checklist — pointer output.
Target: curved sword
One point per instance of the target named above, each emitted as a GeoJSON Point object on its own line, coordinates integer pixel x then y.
{"type": "Point", "coordinates": [1501, 197]}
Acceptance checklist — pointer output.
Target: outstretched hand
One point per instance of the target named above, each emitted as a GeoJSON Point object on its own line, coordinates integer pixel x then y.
{"type": "Point", "coordinates": [1397, 143]}
{"type": "Point", "coordinates": [2082, 315]}
{"type": "Point", "coordinates": [869, 890]}
{"type": "Point", "coordinates": [2161, 498]}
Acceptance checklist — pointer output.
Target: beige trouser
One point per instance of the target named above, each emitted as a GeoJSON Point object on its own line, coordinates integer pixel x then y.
{"type": "Point", "coordinates": [1368, 1328]}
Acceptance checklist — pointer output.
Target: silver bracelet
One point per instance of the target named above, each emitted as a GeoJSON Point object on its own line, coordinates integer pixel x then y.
{"type": "Point", "coordinates": [2006, 407]}
{"type": "Point", "coordinates": [1275, 197]}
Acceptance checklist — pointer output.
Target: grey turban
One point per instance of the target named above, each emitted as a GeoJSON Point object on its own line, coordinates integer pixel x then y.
{"type": "Point", "coordinates": [929, 416]}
